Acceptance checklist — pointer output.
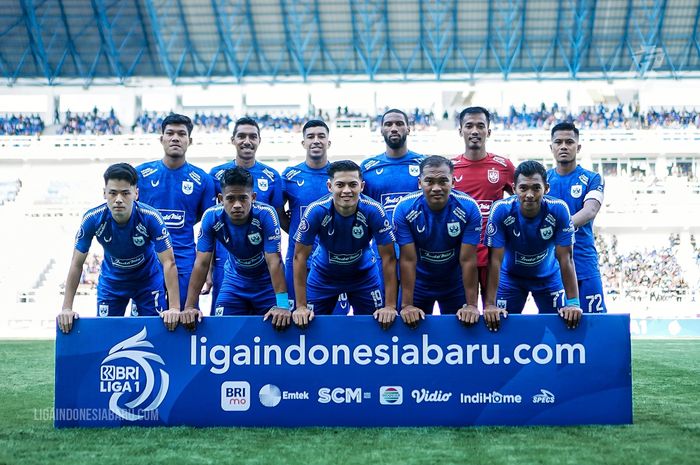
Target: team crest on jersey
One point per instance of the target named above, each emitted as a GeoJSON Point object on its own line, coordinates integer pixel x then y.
{"type": "Point", "coordinates": [502, 304]}
{"type": "Point", "coordinates": [138, 241]}
{"type": "Point", "coordinates": [255, 238]}
{"type": "Point", "coordinates": [357, 232]}
{"type": "Point", "coordinates": [187, 187]}
{"type": "Point", "coordinates": [262, 184]}
{"type": "Point", "coordinates": [453, 229]}
{"type": "Point", "coordinates": [414, 170]}
{"type": "Point", "coordinates": [493, 175]}
{"type": "Point", "coordinates": [576, 191]}
{"type": "Point", "coordinates": [546, 233]}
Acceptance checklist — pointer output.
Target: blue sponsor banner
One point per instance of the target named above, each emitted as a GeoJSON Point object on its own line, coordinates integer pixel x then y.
{"type": "Point", "coordinates": [344, 371]}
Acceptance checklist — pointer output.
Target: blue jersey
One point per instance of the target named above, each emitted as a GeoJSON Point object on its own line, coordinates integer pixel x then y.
{"type": "Point", "coordinates": [388, 179]}
{"type": "Point", "coordinates": [529, 242]}
{"type": "Point", "coordinates": [343, 251]}
{"type": "Point", "coordinates": [437, 236]}
{"type": "Point", "coordinates": [129, 249]}
{"type": "Point", "coordinates": [181, 196]}
{"type": "Point", "coordinates": [302, 186]}
{"type": "Point", "coordinates": [247, 243]}
{"type": "Point", "coordinates": [574, 189]}
{"type": "Point", "coordinates": [267, 183]}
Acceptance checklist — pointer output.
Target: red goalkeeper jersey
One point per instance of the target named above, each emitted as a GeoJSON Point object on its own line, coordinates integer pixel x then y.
{"type": "Point", "coordinates": [485, 180]}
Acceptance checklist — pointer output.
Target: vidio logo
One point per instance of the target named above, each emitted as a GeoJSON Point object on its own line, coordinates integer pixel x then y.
{"type": "Point", "coordinates": [127, 372]}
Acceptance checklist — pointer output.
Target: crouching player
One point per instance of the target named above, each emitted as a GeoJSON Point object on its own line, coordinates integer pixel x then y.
{"type": "Point", "coordinates": [438, 230]}
{"type": "Point", "coordinates": [531, 235]}
{"type": "Point", "coordinates": [344, 222]}
{"type": "Point", "coordinates": [253, 275]}
{"type": "Point", "coordinates": [135, 239]}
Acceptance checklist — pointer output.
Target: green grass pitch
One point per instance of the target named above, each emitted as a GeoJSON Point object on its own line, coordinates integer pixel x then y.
{"type": "Point", "coordinates": [666, 429]}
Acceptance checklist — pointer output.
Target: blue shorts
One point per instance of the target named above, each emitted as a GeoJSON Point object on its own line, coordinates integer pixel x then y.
{"type": "Point", "coordinates": [590, 291]}
{"type": "Point", "coordinates": [148, 298]}
{"type": "Point", "coordinates": [217, 278]}
{"type": "Point", "coordinates": [241, 295]}
{"type": "Point", "coordinates": [548, 293]}
{"type": "Point", "coordinates": [365, 295]}
{"type": "Point", "coordinates": [183, 280]}
{"type": "Point", "coordinates": [341, 307]}
{"type": "Point", "coordinates": [449, 299]}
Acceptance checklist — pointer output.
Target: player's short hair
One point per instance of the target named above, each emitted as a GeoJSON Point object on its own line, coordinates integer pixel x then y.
{"type": "Point", "coordinates": [121, 172]}
{"type": "Point", "coordinates": [245, 121]}
{"type": "Point", "coordinates": [395, 110]}
{"type": "Point", "coordinates": [343, 165]}
{"type": "Point", "coordinates": [436, 161]}
{"type": "Point", "coordinates": [175, 118]}
{"type": "Point", "coordinates": [565, 126]}
{"type": "Point", "coordinates": [314, 123]}
{"type": "Point", "coordinates": [236, 177]}
{"type": "Point", "coordinates": [474, 111]}
{"type": "Point", "coordinates": [530, 168]}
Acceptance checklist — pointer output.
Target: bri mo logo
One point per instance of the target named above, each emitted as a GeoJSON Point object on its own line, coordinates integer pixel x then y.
{"type": "Point", "coordinates": [128, 374]}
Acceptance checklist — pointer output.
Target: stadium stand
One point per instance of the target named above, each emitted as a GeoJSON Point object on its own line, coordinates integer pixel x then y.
{"type": "Point", "coordinates": [21, 125]}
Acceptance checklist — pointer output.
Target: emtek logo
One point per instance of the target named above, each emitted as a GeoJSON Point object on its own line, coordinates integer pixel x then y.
{"type": "Point", "coordinates": [235, 396]}
{"type": "Point", "coordinates": [270, 395]}
{"type": "Point", "coordinates": [342, 395]}
{"type": "Point", "coordinates": [391, 395]}
{"type": "Point", "coordinates": [544, 397]}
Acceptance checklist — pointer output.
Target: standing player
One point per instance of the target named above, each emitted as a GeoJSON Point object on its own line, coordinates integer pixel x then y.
{"type": "Point", "coordinates": [303, 184]}
{"type": "Point", "coordinates": [267, 184]}
{"type": "Point", "coordinates": [532, 236]}
{"type": "Point", "coordinates": [344, 222]}
{"type": "Point", "coordinates": [484, 176]}
{"type": "Point", "coordinates": [394, 173]}
{"type": "Point", "coordinates": [582, 190]}
{"type": "Point", "coordinates": [179, 190]}
{"type": "Point", "coordinates": [250, 233]}
{"type": "Point", "coordinates": [134, 238]}
{"type": "Point", "coordinates": [438, 230]}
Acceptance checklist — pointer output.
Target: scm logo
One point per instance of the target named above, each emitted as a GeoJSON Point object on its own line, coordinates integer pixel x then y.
{"type": "Point", "coordinates": [342, 395]}
{"type": "Point", "coordinates": [235, 396]}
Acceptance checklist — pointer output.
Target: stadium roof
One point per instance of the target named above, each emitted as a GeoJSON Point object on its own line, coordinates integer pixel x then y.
{"type": "Point", "coordinates": [208, 41]}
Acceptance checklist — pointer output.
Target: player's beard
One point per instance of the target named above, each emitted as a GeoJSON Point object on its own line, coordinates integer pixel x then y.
{"type": "Point", "coordinates": [395, 145]}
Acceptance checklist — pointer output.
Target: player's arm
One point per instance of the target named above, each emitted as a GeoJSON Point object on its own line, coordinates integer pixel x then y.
{"type": "Point", "coordinates": [590, 210]}
{"type": "Point", "coordinates": [491, 311]}
{"type": "Point", "coordinates": [571, 312]}
{"type": "Point", "coordinates": [67, 315]}
{"type": "Point", "coordinates": [280, 314]}
{"type": "Point", "coordinates": [469, 314]}
{"type": "Point", "coordinates": [302, 316]}
{"type": "Point", "coordinates": [171, 317]}
{"type": "Point", "coordinates": [410, 314]}
{"type": "Point", "coordinates": [200, 271]}
{"type": "Point", "coordinates": [387, 314]}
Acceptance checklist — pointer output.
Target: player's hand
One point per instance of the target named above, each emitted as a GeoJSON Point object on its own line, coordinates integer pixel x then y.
{"type": "Point", "coordinates": [189, 318]}
{"type": "Point", "coordinates": [385, 316]}
{"type": "Point", "coordinates": [572, 316]}
{"type": "Point", "coordinates": [281, 318]}
{"type": "Point", "coordinates": [171, 318]}
{"type": "Point", "coordinates": [206, 288]}
{"type": "Point", "coordinates": [492, 317]}
{"type": "Point", "coordinates": [468, 314]}
{"type": "Point", "coordinates": [65, 320]}
{"type": "Point", "coordinates": [302, 316]}
{"type": "Point", "coordinates": [412, 315]}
